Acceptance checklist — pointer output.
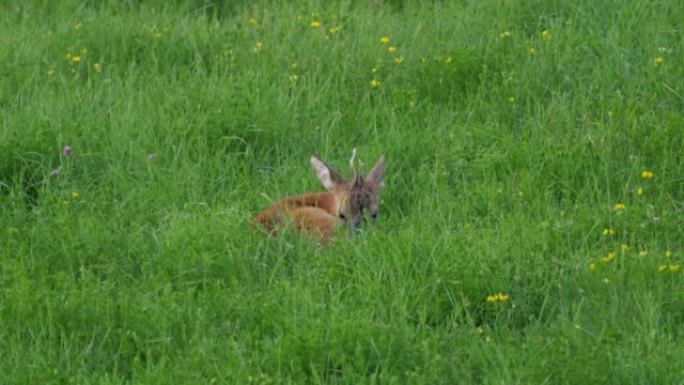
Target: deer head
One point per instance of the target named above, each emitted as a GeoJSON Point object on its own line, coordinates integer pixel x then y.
{"type": "Point", "coordinates": [354, 198]}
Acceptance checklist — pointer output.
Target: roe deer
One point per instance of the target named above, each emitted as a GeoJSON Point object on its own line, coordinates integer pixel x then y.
{"type": "Point", "coordinates": [320, 213]}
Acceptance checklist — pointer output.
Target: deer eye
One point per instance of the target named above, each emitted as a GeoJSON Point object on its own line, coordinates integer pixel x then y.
{"type": "Point", "coordinates": [374, 215]}
{"type": "Point", "coordinates": [342, 216]}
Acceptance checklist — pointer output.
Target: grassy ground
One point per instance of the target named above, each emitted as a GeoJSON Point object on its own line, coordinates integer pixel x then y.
{"type": "Point", "coordinates": [531, 225]}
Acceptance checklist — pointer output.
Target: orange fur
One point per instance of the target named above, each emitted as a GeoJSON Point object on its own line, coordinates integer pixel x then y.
{"type": "Point", "coordinates": [318, 214]}
{"type": "Point", "coordinates": [314, 212]}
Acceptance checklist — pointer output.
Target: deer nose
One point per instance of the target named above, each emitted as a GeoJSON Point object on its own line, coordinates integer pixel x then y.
{"type": "Point", "coordinates": [357, 225]}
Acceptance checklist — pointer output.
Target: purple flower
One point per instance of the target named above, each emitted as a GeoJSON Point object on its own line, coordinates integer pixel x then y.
{"type": "Point", "coordinates": [55, 173]}
{"type": "Point", "coordinates": [68, 150]}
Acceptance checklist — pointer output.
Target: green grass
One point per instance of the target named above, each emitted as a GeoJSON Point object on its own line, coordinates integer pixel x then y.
{"type": "Point", "coordinates": [507, 153]}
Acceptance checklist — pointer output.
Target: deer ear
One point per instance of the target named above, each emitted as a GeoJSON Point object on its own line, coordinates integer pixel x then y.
{"type": "Point", "coordinates": [377, 174]}
{"type": "Point", "coordinates": [328, 177]}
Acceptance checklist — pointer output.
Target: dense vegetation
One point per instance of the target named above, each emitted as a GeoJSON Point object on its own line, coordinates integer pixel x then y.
{"type": "Point", "coordinates": [531, 224]}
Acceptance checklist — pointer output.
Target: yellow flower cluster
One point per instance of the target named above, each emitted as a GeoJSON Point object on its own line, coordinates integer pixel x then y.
{"type": "Point", "coordinates": [499, 297]}
{"type": "Point", "coordinates": [608, 232]}
{"type": "Point", "coordinates": [398, 59]}
{"type": "Point", "coordinates": [76, 57]}
{"type": "Point", "coordinates": [294, 77]}
{"type": "Point", "coordinates": [671, 268]}
{"type": "Point", "coordinates": [668, 267]}
{"type": "Point", "coordinates": [608, 258]}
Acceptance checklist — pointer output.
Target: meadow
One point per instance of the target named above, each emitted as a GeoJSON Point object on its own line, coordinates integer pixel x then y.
{"type": "Point", "coordinates": [531, 222]}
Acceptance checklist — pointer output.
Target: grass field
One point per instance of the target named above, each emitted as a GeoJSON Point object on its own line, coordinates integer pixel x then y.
{"type": "Point", "coordinates": [530, 228]}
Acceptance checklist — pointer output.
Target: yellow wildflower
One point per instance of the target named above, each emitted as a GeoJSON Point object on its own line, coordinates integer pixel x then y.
{"type": "Point", "coordinates": [68, 56]}
{"type": "Point", "coordinates": [674, 268]}
{"type": "Point", "coordinates": [624, 248]}
{"type": "Point", "coordinates": [619, 207]}
{"type": "Point", "coordinates": [78, 26]}
{"type": "Point", "coordinates": [253, 21]}
{"type": "Point", "coordinates": [511, 99]}
{"type": "Point", "coordinates": [385, 40]}
{"type": "Point", "coordinates": [294, 78]}
{"type": "Point", "coordinates": [375, 83]}
{"type": "Point", "coordinates": [662, 268]}
{"type": "Point", "coordinates": [505, 34]}
{"type": "Point", "coordinates": [258, 47]}
{"type": "Point", "coordinates": [392, 49]}
{"type": "Point", "coordinates": [608, 258]}
{"type": "Point", "coordinates": [499, 297]}
{"type": "Point", "coordinates": [668, 253]}
{"type": "Point", "coordinates": [374, 70]}
{"type": "Point", "coordinates": [315, 24]}
{"type": "Point", "coordinates": [640, 192]}
{"type": "Point", "coordinates": [647, 175]}
{"type": "Point", "coordinates": [98, 67]}
{"type": "Point", "coordinates": [334, 30]}
{"type": "Point", "coordinates": [643, 253]}
{"type": "Point", "coordinates": [608, 232]}
{"type": "Point", "coordinates": [532, 50]}
{"type": "Point", "coordinates": [399, 59]}
{"type": "Point", "coordinates": [51, 72]}
{"type": "Point", "coordinates": [545, 34]}
{"type": "Point", "coordinates": [76, 59]}
{"type": "Point", "coordinates": [658, 60]}
{"type": "Point", "coordinates": [75, 194]}
{"type": "Point", "coordinates": [592, 267]}
{"type": "Point", "coordinates": [448, 60]}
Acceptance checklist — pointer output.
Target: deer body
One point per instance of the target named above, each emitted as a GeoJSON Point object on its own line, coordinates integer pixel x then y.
{"type": "Point", "coordinates": [319, 214]}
